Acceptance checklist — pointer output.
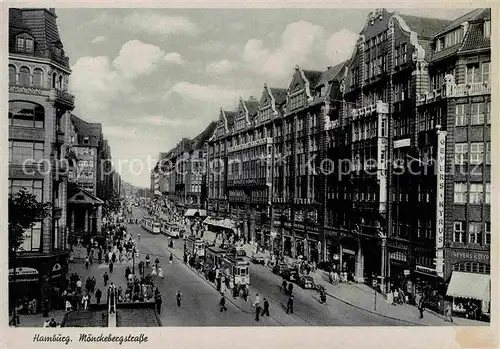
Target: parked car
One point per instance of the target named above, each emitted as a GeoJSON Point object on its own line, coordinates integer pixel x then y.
{"type": "Point", "coordinates": [258, 258]}
{"type": "Point", "coordinates": [291, 274]}
{"type": "Point", "coordinates": [306, 282]}
{"type": "Point", "coordinates": [280, 268]}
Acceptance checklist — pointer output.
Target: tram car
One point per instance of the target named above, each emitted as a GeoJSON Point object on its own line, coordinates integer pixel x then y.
{"type": "Point", "coordinates": [149, 224]}
{"type": "Point", "coordinates": [194, 246]}
{"type": "Point", "coordinates": [214, 255]}
{"type": "Point", "coordinates": [236, 269]}
{"type": "Point", "coordinates": [169, 229]}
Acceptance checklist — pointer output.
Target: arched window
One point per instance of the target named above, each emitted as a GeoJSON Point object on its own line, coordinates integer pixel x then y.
{"type": "Point", "coordinates": [26, 114]}
{"type": "Point", "coordinates": [60, 84]}
{"type": "Point", "coordinates": [12, 75]}
{"type": "Point", "coordinates": [24, 76]}
{"type": "Point", "coordinates": [38, 77]}
{"type": "Point", "coordinates": [54, 80]}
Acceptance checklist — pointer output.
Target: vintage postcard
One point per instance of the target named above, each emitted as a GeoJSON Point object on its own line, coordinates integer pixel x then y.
{"type": "Point", "coordinates": [202, 175]}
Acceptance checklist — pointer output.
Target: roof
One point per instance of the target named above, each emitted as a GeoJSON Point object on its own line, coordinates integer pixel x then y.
{"type": "Point", "coordinates": [313, 76]}
{"type": "Point", "coordinates": [425, 27]}
{"type": "Point", "coordinates": [199, 140]}
{"type": "Point", "coordinates": [475, 39]}
{"type": "Point", "coordinates": [73, 189]}
{"type": "Point", "coordinates": [230, 116]}
{"type": "Point", "coordinates": [41, 24]}
{"type": "Point", "coordinates": [279, 95]}
{"type": "Point", "coordinates": [88, 129]}
{"type": "Point", "coordinates": [465, 18]}
{"type": "Point", "coordinates": [252, 107]}
{"type": "Point", "coordinates": [331, 73]}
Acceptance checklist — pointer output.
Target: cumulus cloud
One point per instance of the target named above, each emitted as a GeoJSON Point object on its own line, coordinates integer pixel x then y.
{"type": "Point", "coordinates": [173, 57]}
{"type": "Point", "coordinates": [213, 94]}
{"type": "Point", "coordinates": [153, 23]}
{"type": "Point", "coordinates": [297, 43]}
{"type": "Point", "coordinates": [137, 58]}
{"type": "Point", "coordinates": [221, 67]}
{"type": "Point", "coordinates": [340, 46]}
{"type": "Point", "coordinates": [98, 39]}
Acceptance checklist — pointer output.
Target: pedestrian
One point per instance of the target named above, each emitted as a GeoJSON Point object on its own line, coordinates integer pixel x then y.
{"type": "Point", "coordinates": [85, 301]}
{"type": "Point", "coordinates": [160, 272]}
{"type": "Point", "coordinates": [420, 306]}
{"type": "Point", "coordinates": [171, 258]}
{"type": "Point", "coordinates": [290, 288]}
{"type": "Point", "coordinates": [87, 262]}
{"type": "Point", "coordinates": [447, 313]}
{"type": "Point", "coordinates": [52, 323]}
{"type": "Point", "coordinates": [46, 308]}
{"type": "Point", "coordinates": [289, 305]}
{"type": "Point", "coordinates": [99, 256]}
{"type": "Point", "coordinates": [111, 267]}
{"type": "Point", "coordinates": [98, 295]}
{"type": "Point", "coordinates": [284, 285]}
{"type": "Point", "coordinates": [257, 310]}
{"type": "Point", "coordinates": [158, 302]}
{"type": "Point", "coordinates": [265, 311]}
{"type": "Point", "coordinates": [106, 278]}
{"type": "Point", "coordinates": [222, 303]}
{"type": "Point", "coordinates": [257, 299]}
{"type": "Point", "coordinates": [46, 323]}
{"type": "Point", "coordinates": [179, 298]}
{"type": "Point", "coordinates": [157, 263]}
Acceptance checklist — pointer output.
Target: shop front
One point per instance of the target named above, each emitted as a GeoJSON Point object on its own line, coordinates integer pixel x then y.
{"type": "Point", "coordinates": [430, 285]}
{"type": "Point", "coordinates": [469, 285]}
{"type": "Point", "coordinates": [398, 264]}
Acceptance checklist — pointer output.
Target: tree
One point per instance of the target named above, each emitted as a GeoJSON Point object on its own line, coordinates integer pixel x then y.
{"type": "Point", "coordinates": [24, 212]}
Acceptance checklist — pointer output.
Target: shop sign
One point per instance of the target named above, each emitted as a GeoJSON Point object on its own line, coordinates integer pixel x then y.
{"type": "Point", "coordinates": [441, 161]}
{"type": "Point", "coordinates": [24, 274]}
{"type": "Point", "coordinates": [425, 270]}
{"type": "Point", "coordinates": [25, 90]}
{"type": "Point", "coordinates": [473, 256]}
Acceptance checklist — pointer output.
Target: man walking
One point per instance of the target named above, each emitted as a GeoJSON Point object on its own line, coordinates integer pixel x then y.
{"type": "Point", "coordinates": [265, 311]}
{"type": "Point", "coordinates": [420, 306]}
{"type": "Point", "coordinates": [98, 295]}
{"type": "Point", "coordinates": [158, 302]}
{"type": "Point", "coordinates": [289, 305]}
{"type": "Point", "coordinates": [179, 298]}
{"type": "Point", "coordinates": [257, 306]}
{"type": "Point", "coordinates": [111, 267]}
{"type": "Point", "coordinates": [222, 303]}
{"type": "Point", "coordinates": [87, 262]}
{"type": "Point", "coordinates": [106, 278]}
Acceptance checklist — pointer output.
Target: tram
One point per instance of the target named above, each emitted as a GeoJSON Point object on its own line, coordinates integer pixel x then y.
{"type": "Point", "coordinates": [150, 225]}
{"type": "Point", "coordinates": [194, 246]}
{"type": "Point", "coordinates": [169, 229]}
{"type": "Point", "coordinates": [214, 255]}
{"type": "Point", "coordinates": [236, 269]}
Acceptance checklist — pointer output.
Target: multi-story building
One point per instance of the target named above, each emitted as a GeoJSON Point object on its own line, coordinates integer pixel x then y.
{"type": "Point", "coordinates": [39, 103]}
{"type": "Point", "coordinates": [453, 126]}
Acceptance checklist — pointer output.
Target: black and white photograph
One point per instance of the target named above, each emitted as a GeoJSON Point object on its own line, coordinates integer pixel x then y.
{"type": "Point", "coordinates": [236, 167]}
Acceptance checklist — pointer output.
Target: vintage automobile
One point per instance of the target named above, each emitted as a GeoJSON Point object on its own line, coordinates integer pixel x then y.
{"type": "Point", "coordinates": [280, 268]}
{"type": "Point", "coordinates": [306, 282]}
{"type": "Point", "coordinates": [258, 258]}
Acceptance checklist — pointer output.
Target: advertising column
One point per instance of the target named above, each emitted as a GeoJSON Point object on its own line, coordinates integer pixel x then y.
{"type": "Point", "coordinates": [440, 182]}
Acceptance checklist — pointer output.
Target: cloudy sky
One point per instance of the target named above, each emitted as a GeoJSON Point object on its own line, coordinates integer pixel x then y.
{"type": "Point", "coordinates": [152, 77]}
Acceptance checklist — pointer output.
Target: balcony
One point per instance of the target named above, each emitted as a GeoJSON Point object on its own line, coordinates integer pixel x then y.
{"type": "Point", "coordinates": [332, 124]}
{"type": "Point", "coordinates": [62, 97]}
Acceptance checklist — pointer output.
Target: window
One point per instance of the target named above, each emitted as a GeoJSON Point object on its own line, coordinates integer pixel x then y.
{"type": "Point", "coordinates": [485, 70]}
{"type": "Point", "coordinates": [487, 29]}
{"type": "Point", "coordinates": [477, 114]}
{"type": "Point", "coordinates": [24, 44]}
{"type": "Point", "coordinates": [488, 153]}
{"type": "Point", "coordinates": [38, 77]}
{"type": "Point", "coordinates": [472, 74]}
{"type": "Point", "coordinates": [487, 198]}
{"type": "Point", "coordinates": [476, 193]}
{"type": "Point", "coordinates": [460, 193]}
{"type": "Point", "coordinates": [403, 53]}
{"type": "Point", "coordinates": [475, 232]}
{"type": "Point", "coordinates": [26, 114]}
{"type": "Point", "coordinates": [461, 150]}
{"type": "Point", "coordinates": [487, 233]}
{"type": "Point", "coordinates": [20, 44]}
{"type": "Point", "coordinates": [28, 46]}
{"type": "Point", "coordinates": [24, 76]}
{"type": "Point", "coordinates": [460, 117]}
{"type": "Point", "coordinates": [476, 153]}
{"type": "Point", "coordinates": [459, 232]}
{"type": "Point", "coordinates": [12, 75]}
{"type": "Point", "coordinates": [396, 57]}
{"type": "Point", "coordinates": [31, 186]}
{"type": "Point", "coordinates": [20, 152]}
{"type": "Point", "coordinates": [487, 112]}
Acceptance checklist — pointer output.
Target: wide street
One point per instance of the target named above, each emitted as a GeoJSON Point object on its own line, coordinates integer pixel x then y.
{"type": "Point", "coordinates": [200, 298]}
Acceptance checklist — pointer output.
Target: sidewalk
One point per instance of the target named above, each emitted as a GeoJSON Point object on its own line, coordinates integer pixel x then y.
{"type": "Point", "coordinates": [37, 320]}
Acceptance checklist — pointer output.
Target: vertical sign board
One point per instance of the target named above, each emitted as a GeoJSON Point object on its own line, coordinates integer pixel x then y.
{"type": "Point", "coordinates": [440, 180]}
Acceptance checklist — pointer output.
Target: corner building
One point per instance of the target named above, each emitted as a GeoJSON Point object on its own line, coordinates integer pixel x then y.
{"type": "Point", "coordinates": [39, 106]}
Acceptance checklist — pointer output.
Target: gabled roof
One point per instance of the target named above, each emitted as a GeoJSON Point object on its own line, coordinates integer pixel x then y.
{"type": "Point", "coordinates": [475, 39]}
{"type": "Point", "coordinates": [425, 27]}
{"type": "Point", "coordinates": [252, 107]}
{"type": "Point", "coordinates": [77, 195]}
{"type": "Point", "coordinates": [88, 129]}
{"type": "Point", "coordinates": [313, 76]}
{"type": "Point", "coordinates": [279, 94]}
{"type": "Point", "coordinates": [230, 116]}
{"type": "Point", "coordinates": [331, 74]}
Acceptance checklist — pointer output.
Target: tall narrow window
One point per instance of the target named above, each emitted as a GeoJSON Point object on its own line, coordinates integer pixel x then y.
{"type": "Point", "coordinates": [460, 193]}
{"type": "Point", "coordinates": [38, 77]}
{"type": "Point", "coordinates": [29, 46]}
{"type": "Point", "coordinates": [54, 80]}
{"type": "Point", "coordinates": [24, 76]}
{"type": "Point", "coordinates": [472, 74]}
{"type": "Point", "coordinates": [487, 29]}
{"type": "Point", "coordinates": [487, 233]}
{"type": "Point", "coordinates": [476, 195]}
{"type": "Point", "coordinates": [461, 153]}
{"type": "Point", "coordinates": [460, 116]}
{"type": "Point", "coordinates": [459, 232]}
{"type": "Point", "coordinates": [475, 232]}
{"type": "Point", "coordinates": [485, 70]}
{"type": "Point", "coordinates": [487, 197]}
{"type": "Point", "coordinates": [12, 75]}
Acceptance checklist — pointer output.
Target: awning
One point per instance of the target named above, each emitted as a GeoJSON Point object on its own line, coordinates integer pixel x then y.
{"type": "Point", "coordinates": [190, 212]}
{"type": "Point", "coordinates": [202, 213]}
{"type": "Point", "coordinates": [469, 285]}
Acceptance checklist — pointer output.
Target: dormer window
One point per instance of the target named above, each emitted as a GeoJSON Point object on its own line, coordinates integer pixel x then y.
{"type": "Point", "coordinates": [487, 29]}
{"type": "Point", "coordinates": [24, 44]}
{"type": "Point", "coordinates": [85, 140]}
